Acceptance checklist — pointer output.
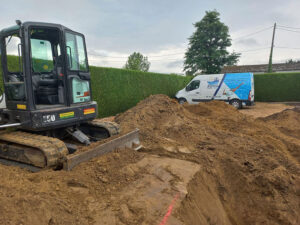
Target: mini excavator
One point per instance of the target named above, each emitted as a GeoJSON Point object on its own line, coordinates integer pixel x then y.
{"type": "Point", "coordinates": [47, 100]}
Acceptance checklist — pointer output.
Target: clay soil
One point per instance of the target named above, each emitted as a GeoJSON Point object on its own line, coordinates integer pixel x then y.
{"type": "Point", "coordinates": [263, 109]}
{"type": "Point", "coordinates": [201, 164]}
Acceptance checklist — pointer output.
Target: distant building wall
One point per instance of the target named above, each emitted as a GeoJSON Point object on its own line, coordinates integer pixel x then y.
{"type": "Point", "coordinates": [263, 68]}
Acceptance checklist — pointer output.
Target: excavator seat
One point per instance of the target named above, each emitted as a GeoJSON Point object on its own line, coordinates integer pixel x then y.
{"type": "Point", "coordinates": [47, 90]}
{"type": "Point", "coordinates": [15, 88]}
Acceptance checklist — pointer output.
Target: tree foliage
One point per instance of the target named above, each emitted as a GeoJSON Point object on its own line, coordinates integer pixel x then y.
{"type": "Point", "coordinates": [136, 61]}
{"type": "Point", "coordinates": [291, 61]}
{"type": "Point", "coordinates": [207, 46]}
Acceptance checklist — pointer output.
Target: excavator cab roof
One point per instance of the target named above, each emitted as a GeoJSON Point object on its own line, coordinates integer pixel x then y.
{"type": "Point", "coordinates": [31, 23]}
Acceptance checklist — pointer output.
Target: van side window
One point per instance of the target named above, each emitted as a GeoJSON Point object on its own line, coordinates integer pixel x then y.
{"type": "Point", "coordinates": [193, 85]}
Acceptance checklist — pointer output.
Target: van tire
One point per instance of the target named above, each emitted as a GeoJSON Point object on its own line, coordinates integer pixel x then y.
{"type": "Point", "coordinates": [236, 103]}
{"type": "Point", "coordinates": [181, 101]}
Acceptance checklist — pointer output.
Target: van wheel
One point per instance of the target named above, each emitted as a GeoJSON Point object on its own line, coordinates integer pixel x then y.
{"type": "Point", "coordinates": [181, 101]}
{"type": "Point", "coordinates": [236, 103]}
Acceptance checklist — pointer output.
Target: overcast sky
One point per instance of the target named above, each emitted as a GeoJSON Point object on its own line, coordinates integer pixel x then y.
{"type": "Point", "coordinates": [160, 29]}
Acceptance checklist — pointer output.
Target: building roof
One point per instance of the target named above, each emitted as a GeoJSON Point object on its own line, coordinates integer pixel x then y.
{"type": "Point", "coordinates": [262, 68]}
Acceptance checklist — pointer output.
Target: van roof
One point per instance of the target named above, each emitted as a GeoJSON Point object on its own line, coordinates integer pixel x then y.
{"type": "Point", "coordinates": [209, 75]}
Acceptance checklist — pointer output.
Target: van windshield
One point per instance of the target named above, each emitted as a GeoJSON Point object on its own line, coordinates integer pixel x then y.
{"type": "Point", "coordinates": [193, 85]}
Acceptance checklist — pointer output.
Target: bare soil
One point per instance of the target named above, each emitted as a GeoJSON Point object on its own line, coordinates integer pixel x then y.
{"type": "Point", "coordinates": [263, 109]}
{"type": "Point", "coordinates": [201, 164]}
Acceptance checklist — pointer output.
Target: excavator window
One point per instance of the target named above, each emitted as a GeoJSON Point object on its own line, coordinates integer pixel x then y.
{"type": "Point", "coordinates": [76, 52]}
{"type": "Point", "coordinates": [77, 61]}
{"type": "Point", "coordinates": [14, 79]}
{"type": "Point", "coordinates": [47, 86]}
{"type": "Point", "coordinates": [13, 43]}
{"type": "Point", "coordinates": [42, 56]}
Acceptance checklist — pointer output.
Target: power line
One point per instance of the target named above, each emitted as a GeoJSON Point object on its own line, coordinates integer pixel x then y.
{"type": "Point", "coordinates": [288, 48]}
{"type": "Point", "coordinates": [153, 60]}
{"type": "Point", "coordinates": [251, 34]}
{"type": "Point", "coordinates": [122, 57]}
{"type": "Point", "coordinates": [161, 59]}
{"type": "Point", "coordinates": [245, 51]}
{"type": "Point", "coordinates": [156, 60]}
{"type": "Point", "coordinates": [297, 28]}
{"type": "Point", "coordinates": [99, 55]}
{"type": "Point", "coordinates": [108, 60]}
{"type": "Point", "coordinates": [295, 31]}
{"type": "Point", "coordinates": [165, 59]}
{"type": "Point", "coordinates": [252, 50]}
{"type": "Point", "coordinates": [166, 55]}
{"type": "Point", "coordinates": [179, 53]}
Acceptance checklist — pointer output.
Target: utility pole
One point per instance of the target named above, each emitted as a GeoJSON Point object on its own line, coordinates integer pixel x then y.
{"type": "Point", "coordinates": [271, 53]}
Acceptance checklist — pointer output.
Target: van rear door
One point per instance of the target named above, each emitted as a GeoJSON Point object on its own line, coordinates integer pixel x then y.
{"type": "Point", "coordinates": [237, 86]}
{"type": "Point", "coordinates": [252, 88]}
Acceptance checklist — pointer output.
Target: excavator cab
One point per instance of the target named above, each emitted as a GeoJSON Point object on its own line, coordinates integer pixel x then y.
{"type": "Point", "coordinates": [46, 76]}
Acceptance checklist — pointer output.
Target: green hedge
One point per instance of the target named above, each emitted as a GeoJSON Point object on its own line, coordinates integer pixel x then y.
{"type": "Point", "coordinates": [277, 87]}
{"type": "Point", "coordinates": [117, 90]}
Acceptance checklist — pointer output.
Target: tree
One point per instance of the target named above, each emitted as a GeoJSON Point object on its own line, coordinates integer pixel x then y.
{"type": "Point", "coordinates": [291, 61]}
{"type": "Point", "coordinates": [136, 61]}
{"type": "Point", "coordinates": [207, 46]}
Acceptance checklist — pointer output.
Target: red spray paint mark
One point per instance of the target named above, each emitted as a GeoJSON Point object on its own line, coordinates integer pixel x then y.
{"type": "Point", "coordinates": [170, 209]}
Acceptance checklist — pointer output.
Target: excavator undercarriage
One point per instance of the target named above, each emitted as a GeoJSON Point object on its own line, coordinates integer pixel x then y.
{"type": "Point", "coordinates": [35, 151]}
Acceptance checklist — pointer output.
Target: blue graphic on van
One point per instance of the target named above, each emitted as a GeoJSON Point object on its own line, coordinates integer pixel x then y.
{"type": "Point", "coordinates": [213, 84]}
{"type": "Point", "coordinates": [239, 83]}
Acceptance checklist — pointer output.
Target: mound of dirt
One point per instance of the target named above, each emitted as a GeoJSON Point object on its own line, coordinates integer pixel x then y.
{"type": "Point", "coordinates": [201, 164]}
{"type": "Point", "coordinates": [287, 121]}
{"type": "Point", "coordinates": [60, 197]}
{"type": "Point", "coordinates": [164, 123]}
{"type": "Point", "coordinates": [250, 171]}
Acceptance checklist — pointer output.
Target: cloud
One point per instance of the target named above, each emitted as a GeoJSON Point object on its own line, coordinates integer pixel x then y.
{"type": "Point", "coordinates": [248, 42]}
{"type": "Point", "coordinates": [177, 63]}
{"type": "Point", "coordinates": [114, 28]}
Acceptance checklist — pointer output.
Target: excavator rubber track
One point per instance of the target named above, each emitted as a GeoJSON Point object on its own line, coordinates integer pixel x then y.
{"type": "Point", "coordinates": [112, 127]}
{"type": "Point", "coordinates": [36, 150]}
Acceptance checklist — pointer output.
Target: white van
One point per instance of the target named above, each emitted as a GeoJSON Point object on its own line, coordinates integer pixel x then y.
{"type": "Point", "coordinates": [235, 88]}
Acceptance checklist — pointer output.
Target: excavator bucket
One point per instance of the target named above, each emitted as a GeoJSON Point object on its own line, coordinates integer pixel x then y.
{"type": "Point", "coordinates": [129, 140]}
